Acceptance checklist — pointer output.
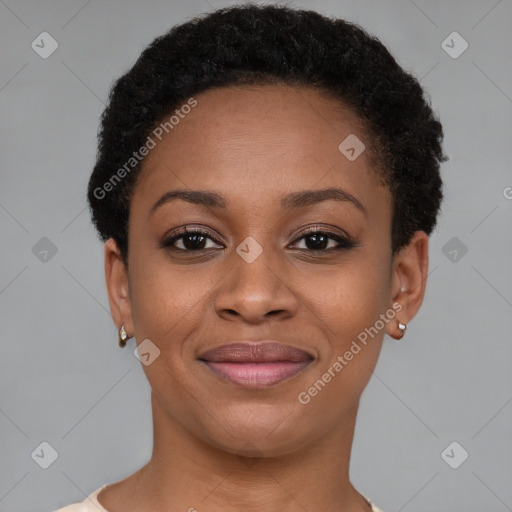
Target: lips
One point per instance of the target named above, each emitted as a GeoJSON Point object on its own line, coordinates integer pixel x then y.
{"type": "Point", "coordinates": [263, 352]}
{"type": "Point", "coordinates": [257, 365]}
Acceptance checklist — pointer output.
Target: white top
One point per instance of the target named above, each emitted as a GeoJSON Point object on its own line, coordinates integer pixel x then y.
{"type": "Point", "coordinates": [91, 504]}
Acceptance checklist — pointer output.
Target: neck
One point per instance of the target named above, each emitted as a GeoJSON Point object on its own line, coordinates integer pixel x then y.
{"type": "Point", "coordinates": [188, 473]}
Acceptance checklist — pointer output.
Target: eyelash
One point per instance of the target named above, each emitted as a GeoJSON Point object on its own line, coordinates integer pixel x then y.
{"type": "Point", "coordinates": [345, 242]}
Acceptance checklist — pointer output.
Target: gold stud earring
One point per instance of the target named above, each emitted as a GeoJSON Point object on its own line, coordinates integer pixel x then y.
{"type": "Point", "coordinates": [402, 328]}
{"type": "Point", "coordinates": [123, 337]}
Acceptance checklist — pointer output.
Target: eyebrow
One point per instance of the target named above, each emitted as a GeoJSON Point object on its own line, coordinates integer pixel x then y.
{"type": "Point", "coordinates": [293, 201]}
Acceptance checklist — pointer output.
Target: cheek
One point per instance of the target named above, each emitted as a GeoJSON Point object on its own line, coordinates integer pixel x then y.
{"type": "Point", "coordinates": [167, 300]}
{"type": "Point", "coordinates": [349, 312]}
{"type": "Point", "coordinates": [353, 297]}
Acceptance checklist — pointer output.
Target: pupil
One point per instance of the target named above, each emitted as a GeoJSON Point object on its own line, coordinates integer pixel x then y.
{"type": "Point", "coordinates": [198, 239]}
{"type": "Point", "coordinates": [319, 241]}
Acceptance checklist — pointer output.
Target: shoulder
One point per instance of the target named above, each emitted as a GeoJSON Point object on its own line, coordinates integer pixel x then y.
{"type": "Point", "coordinates": [370, 502]}
{"type": "Point", "coordinates": [78, 507]}
{"type": "Point", "coordinates": [90, 504]}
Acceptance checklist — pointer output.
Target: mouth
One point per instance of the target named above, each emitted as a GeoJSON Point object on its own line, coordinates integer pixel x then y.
{"type": "Point", "coordinates": [255, 366]}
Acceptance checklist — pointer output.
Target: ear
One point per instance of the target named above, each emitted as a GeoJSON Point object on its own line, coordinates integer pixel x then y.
{"type": "Point", "coordinates": [116, 277]}
{"type": "Point", "coordinates": [409, 280]}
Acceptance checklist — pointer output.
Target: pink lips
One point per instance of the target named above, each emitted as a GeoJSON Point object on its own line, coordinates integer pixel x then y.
{"type": "Point", "coordinates": [256, 365]}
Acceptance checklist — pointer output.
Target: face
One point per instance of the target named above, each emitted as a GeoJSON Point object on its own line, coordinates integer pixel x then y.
{"type": "Point", "coordinates": [271, 257]}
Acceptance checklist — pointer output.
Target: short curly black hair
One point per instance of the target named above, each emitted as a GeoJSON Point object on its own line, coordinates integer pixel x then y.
{"type": "Point", "coordinates": [251, 44]}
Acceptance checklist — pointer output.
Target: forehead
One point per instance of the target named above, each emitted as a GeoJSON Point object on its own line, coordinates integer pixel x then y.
{"type": "Point", "coordinates": [258, 142]}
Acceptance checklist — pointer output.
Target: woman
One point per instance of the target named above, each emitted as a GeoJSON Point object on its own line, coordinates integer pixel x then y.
{"type": "Point", "coordinates": [266, 182]}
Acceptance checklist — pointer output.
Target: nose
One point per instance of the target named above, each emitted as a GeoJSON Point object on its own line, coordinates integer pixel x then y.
{"type": "Point", "coordinates": [255, 292]}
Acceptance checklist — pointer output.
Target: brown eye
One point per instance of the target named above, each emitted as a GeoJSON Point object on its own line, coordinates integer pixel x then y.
{"type": "Point", "coordinates": [323, 241]}
{"type": "Point", "coordinates": [317, 241]}
{"type": "Point", "coordinates": [189, 240]}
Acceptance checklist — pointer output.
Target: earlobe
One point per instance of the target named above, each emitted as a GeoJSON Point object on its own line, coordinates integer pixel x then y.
{"type": "Point", "coordinates": [116, 278]}
{"type": "Point", "coordinates": [397, 331]}
{"type": "Point", "coordinates": [409, 279]}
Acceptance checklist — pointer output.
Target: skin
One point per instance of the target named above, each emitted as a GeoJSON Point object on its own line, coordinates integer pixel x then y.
{"type": "Point", "coordinates": [217, 446]}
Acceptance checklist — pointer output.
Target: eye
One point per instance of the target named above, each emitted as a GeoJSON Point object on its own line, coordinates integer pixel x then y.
{"type": "Point", "coordinates": [190, 239]}
{"type": "Point", "coordinates": [314, 239]}
{"type": "Point", "coordinates": [320, 240]}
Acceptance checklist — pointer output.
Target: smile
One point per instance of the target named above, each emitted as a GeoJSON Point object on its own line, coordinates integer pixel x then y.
{"type": "Point", "coordinates": [257, 375]}
{"type": "Point", "coordinates": [255, 366]}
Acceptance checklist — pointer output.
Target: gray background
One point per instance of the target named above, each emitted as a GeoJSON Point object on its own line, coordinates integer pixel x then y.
{"type": "Point", "coordinates": [63, 379]}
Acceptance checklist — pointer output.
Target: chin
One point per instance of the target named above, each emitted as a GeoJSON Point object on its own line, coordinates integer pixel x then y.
{"type": "Point", "coordinates": [268, 431]}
